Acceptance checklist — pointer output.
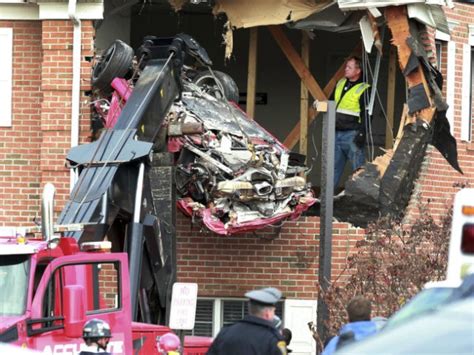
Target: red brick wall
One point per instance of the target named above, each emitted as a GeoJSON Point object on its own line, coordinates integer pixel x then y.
{"type": "Point", "coordinates": [33, 149]}
{"type": "Point", "coordinates": [19, 144]}
{"type": "Point", "coordinates": [286, 258]}
{"type": "Point", "coordinates": [437, 177]}
{"type": "Point", "coordinates": [57, 48]}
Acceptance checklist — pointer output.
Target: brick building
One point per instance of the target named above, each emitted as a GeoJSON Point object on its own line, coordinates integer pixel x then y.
{"type": "Point", "coordinates": [40, 121]}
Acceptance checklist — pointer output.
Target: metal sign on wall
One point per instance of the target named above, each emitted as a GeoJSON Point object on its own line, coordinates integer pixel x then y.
{"type": "Point", "coordinates": [183, 305]}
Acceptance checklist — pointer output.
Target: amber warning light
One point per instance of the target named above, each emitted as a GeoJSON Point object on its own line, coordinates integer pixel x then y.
{"type": "Point", "coordinates": [468, 210]}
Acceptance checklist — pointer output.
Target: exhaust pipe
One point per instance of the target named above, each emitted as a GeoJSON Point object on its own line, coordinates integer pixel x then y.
{"type": "Point", "coordinates": [47, 209]}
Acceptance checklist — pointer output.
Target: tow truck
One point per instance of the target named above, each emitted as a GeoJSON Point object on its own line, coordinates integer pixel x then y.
{"type": "Point", "coordinates": [51, 287]}
{"type": "Point", "coordinates": [111, 254]}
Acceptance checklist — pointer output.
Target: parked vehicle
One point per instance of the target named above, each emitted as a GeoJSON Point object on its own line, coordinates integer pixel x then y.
{"type": "Point", "coordinates": [461, 244]}
{"type": "Point", "coordinates": [427, 300]}
{"type": "Point", "coordinates": [447, 330]}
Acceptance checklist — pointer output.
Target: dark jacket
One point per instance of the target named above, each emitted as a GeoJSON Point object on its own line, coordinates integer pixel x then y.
{"type": "Point", "coordinates": [249, 336]}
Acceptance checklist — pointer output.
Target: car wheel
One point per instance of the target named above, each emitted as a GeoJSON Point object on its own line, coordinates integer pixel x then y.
{"type": "Point", "coordinates": [206, 81]}
{"type": "Point", "coordinates": [116, 62]}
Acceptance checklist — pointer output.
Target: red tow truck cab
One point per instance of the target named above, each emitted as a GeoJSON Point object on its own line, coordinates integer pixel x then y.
{"type": "Point", "coordinates": [48, 293]}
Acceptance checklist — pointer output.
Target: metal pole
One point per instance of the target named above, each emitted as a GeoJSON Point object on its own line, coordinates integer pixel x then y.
{"type": "Point", "coordinates": [135, 244]}
{"type": "Point", "coordinates": [325, 230]}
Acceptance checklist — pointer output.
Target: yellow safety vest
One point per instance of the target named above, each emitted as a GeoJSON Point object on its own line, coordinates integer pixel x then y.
{"type": "Point", "coordinates": [349, 104]}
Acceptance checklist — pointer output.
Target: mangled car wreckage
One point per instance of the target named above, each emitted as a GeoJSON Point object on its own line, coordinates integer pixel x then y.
{"type": "Point", "coordinates": [230, 172]}
{"type": "Point", "coordinates": [233, 174]}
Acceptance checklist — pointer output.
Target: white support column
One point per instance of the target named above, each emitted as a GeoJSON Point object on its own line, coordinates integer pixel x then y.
{"type": "Point", "coordinates": [217, 317]}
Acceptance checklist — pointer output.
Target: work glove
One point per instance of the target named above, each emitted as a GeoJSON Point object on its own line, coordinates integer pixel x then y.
{"type": "Point", "coordinates": [359, 139]}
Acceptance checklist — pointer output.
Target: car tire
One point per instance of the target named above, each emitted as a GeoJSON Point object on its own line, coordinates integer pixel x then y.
{"type": "Point", "coordinates": [206, 81]}
{"type": "Point", "coordinates": [116, 62]}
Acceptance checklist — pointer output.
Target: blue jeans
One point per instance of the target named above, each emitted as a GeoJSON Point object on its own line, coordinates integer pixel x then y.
{"type": "Point", "coordinates": [346, 149]}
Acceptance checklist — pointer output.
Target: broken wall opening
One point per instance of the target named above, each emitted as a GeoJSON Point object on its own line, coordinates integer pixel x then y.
{"type": "Point", "coordinates": [277, 84]}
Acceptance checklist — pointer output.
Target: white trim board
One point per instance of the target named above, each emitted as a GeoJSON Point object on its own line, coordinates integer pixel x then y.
{"type": "Point", "coordinates": [50, 11]}
{"type": "Point", "coordinates": [6, 76]}
{"type": "Point", "coordinates": [466, 110]}
{"type": "Point", "coordinates": [451, 69]}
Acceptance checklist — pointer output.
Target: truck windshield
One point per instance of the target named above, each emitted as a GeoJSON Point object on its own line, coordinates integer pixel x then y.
{"type": "Point", "coordinates": [14, 271]}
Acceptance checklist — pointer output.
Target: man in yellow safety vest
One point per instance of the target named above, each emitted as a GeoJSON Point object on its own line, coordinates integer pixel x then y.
{"type": "Point", "coordinates": [350, 96]}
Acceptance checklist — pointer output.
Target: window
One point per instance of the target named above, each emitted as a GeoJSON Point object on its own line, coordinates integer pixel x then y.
{"type": "Point", "coordinates": [102, 296]}
{"type": "Point", "coordinates": [203, 322]}
{"type": "Point", "coordinates": [6, 60]}
{"type": "Point", "coordinates": [471, 96]}
{"type": "Point", "coordinates": [450, 82]}
{"type": "Point", "coordinates": [466, 109]}
{"type": "Point", "coordinates": [105, 286]}
{"type": "Point", "coordinates": [14, 273]}
{"type": "Point", "coordinates": [439, 49]}
{"type": "Point", "coordinates": [213, 314]}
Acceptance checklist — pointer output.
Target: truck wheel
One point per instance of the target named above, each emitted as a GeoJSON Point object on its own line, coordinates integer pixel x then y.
{"type": "Point", "coordinates": [206, 81]}
{"type": "Point", "coordinates": [116, 62]}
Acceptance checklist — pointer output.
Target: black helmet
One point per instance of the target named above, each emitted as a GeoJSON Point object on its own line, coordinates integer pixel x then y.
{"type": "Point", "coordinates": [96, 328]}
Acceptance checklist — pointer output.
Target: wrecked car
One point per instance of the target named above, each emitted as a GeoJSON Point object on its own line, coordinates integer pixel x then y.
{"type": "Point", "coordinates": [230, 172]}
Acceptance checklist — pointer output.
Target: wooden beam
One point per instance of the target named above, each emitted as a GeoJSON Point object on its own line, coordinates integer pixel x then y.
{"type": "Point", "coordinates": [397, 20]}
{"type": "Point", "coordinates": [297, 63]}
{"type": "Point", "coordinates": [252, 72]}
{"type": "Point", "coordinates": [392, 67]}
{"type": "Point", "coordinates": [292, 138]}
{"type": "Point", "coordinates": [304, 114]}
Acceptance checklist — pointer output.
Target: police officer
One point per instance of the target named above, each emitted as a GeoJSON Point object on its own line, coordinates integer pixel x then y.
{"type": "Point", "coordinates": [96, 334]}
{"type": "Point", "coordinates": [256, 333]}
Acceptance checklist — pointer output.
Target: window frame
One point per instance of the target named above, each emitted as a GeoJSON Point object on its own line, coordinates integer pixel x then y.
{"type": "Point", "coordinates": [218, 311]}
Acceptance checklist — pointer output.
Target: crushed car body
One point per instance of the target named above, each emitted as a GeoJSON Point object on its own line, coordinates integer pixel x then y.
{"type": "Point", "coordinates": [230, 172]}
{"type": "Point", "coordinates": [234, 175]}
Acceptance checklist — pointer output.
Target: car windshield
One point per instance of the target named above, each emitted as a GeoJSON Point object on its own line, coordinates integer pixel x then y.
{"type": "Point", "coordinates": [13, 284]}
{"type": "Point", "coordinates": [426, 301]}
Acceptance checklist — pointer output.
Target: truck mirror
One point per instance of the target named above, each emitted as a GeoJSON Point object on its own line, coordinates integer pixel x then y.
{"type": "Point", "coordinates": [74, 310]}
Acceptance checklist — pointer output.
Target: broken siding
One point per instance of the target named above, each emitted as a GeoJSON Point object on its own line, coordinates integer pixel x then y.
{"type": "Point", "coordinates": [251, 13]}
{"type": "Point", "coordinates": [364, 4]}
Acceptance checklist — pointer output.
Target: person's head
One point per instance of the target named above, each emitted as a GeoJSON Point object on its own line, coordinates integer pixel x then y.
{"type": "Point", "coordinates": [169, 343]}
{"type": "Point", "coordinates": [262, 302]}
{"type": "Point", "coordinates": [359, 309]}
{"type": "Point", "coordinates": [286, 334]}
{"type": "Point", "coordinates": [353, 68]}
{"type": "Point", "coordinates": [96, 331]}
